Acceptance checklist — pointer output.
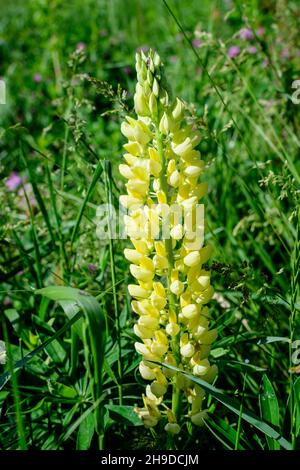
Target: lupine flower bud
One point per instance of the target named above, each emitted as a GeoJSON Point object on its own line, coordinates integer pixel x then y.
{"type": "Point", "coordinates": [199, 418]}
{"type": "Point", "coordinates": [177, 287]}
{"type": "Point", "coordinates": [162, 168]}
{"type": "Point", "coordinates": [173, 428]}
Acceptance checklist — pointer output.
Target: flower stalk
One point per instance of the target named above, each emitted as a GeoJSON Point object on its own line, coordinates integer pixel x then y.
{"type": "Point", "coordinates": [162, 168]}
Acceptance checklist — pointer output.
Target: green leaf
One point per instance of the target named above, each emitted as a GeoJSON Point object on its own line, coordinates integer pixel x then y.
{"type": "Point", "coordinates": [219, 352]}
{"type": "Point", "coordinates": [55, 350]}
{"type": "Point", "coordinates": [89, 193]}
{"type": "Point", "coordinates": [81, 418]}
{"type": "Point", "coordinates": [224, 433]}
{"type": "Point", "coordinates": [96, 327]}
{"type": "Point", "coordinates": [39, 197]}
{"type": "Point", "coordinates": [4, 378]}
{"type": "Point", "coordinates": [85, 433]}
{"type": "Point", "coordinates": [126, 412]}
{"type": "Point", "coordinates": [297, 405]}
{"type": "Point", "coordinates": [244, 366]}
{"type": "Point", "coordinates": [61, 390]}
{"type": "Point", "coordinates": [269, 408]}
{"type": "Point", "coordinates": [273, 339]}
{"type": "Point", "coordinates": [235, 407]}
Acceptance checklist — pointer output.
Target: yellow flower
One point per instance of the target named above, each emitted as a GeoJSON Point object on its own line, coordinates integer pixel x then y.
{"type": "Point", "coordinates": [162, 168]}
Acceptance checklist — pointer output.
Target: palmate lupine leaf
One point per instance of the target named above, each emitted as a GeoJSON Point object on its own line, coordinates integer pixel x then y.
{"type": "Point", "coordinates": [85, 433]}
{"type": "Point", "coordinates": [127, 413]}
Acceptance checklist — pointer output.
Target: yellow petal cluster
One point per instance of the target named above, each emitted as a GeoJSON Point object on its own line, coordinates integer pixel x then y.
{"type": "Point", "coordinates": [162, 168]}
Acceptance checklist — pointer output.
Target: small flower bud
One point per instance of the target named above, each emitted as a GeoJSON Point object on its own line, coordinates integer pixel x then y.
{"type": "Point", "coordinates": [155, 88]}
{"type": "Point", "coordinates": [172, 329]}
{"type": "Point", "coordinates": [140, 273]}
{"type": "Point", "coordinates": [177, 232]}
{"type": "Point", "coordinates": [146, 372]}
{"type": "Point", "coordinates": [172, 428]}
{"type": "Point", "coordinates": [137, 291]}
{"type": "Point", "coordinates": [149, 78]}
{"type": "Point", "coordinates": [153, 104]}
{"type": "Point", "coordinates": [198, 419]}
{"type": "Point", "coordinates": [190, 311]}
{"type": "Point", "coordinates": [192, 259]}
{"type": "Point", "coordinates": [140, 102]}
{"type": "Point", "coordinates": [164, 124]}
{"type": "Point", "coordinates": [175, 179]}
{"type": "Point", "coordinates": [177, 287]}
{"type": "Point", "coordinates": [156, 60]}
{"type": "Point", "coordinates": [187, 350]}
{"type": "Point", "coordinates": [178, 110]}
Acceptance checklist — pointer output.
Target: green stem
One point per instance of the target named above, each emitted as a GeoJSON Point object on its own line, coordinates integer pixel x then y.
{"type": "Point", "coordinates": [113, 278]}
{"type": "Point", "coordinates": [63, 257]}
{"type": "Point", "coordinates": [15, 390]}
{"type": "Point", "coordinates": [295, 274]}
{"type": "Point", "coordinates": [101, 441]}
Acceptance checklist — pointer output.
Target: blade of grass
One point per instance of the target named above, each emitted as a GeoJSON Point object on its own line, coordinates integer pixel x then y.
{"type": "Point", "coordinates": [53, 202]}
{"type": "Point", "coordinates": [38, 195]}
{"type": "Point", "coordinates": [35, 242]}
{"type": "Point", "coordinates": [4, 378]}
{"type": "Point", "coordinates": [97, 336]}
{"type": "Point", "coordinates": [90, 190]}
{"type": "Point", "coordinates": [269, 408]}
{"type": "Point", "coordinates": [293, 326]}
{"type": "Point", "coordinates": [108, 189]}
{"type": "Point", "coordinates": [16, 395]}
{"type": "Point", "coordinates": [234, 406]}
{"type": "Point", "coordinates": [238, 432]}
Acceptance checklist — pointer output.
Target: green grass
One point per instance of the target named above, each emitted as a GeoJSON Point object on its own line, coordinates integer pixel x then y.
{"type": "Point", "coordinates": [60, 130]}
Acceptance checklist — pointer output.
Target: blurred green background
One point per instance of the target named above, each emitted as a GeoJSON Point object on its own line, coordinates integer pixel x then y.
{"type": "Point", "coordinates": [70, 78]}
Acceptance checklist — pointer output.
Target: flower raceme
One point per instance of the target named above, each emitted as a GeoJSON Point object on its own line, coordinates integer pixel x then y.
{"type": "Point", "coordinates": [162, 169]}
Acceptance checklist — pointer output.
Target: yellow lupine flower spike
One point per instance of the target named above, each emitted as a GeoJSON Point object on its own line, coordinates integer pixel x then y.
{"type": "Point", "coordinates": [162, 167]}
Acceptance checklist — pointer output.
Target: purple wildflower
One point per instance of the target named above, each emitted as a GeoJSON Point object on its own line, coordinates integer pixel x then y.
{"type": "Point", "coordinates": [144, 48]}
{"type": "Point", "coordinates": [37, 78]}
{"type": "Point", "coordinates": [80, 46]}
{"type": "Point", "coordinates": [30, 195]}
{"type": "Point", "coordinates": [196, 42]}
{"type": "Point", "coordinates": [13, 181]}
{"type": "Point", "coordinates": [265, 63]}
{"type": "Point", "coordinates": [285, 53]}
{"type": "Point", "coordinates": [233, 51]}
{"type": "Point", "coordinates": [252, 50]}
{"type": "Point", "coordinates": [7, 301]}
{"type": "Point", "coordinates": [127, 70]}
{"type": "Point", "coordinates": [246, 34]}
{"type": "Point", "coordinates": [260, 31]}
{"type": "Point", "coordinates": [92, 268]}
{"type": "Point", "coordinates": [103, 33]}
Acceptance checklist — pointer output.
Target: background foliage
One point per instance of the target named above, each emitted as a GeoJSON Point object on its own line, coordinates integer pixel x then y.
{"type": "Point", "coordinates": [69, 72]}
